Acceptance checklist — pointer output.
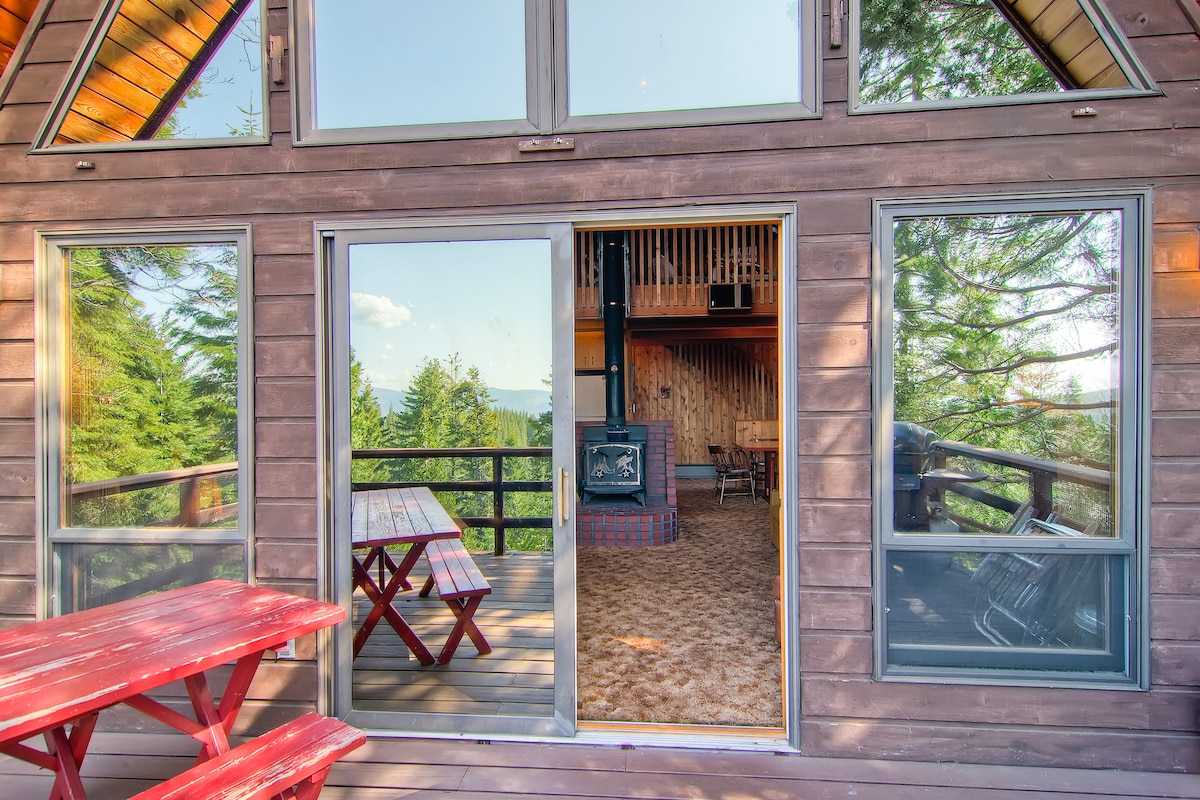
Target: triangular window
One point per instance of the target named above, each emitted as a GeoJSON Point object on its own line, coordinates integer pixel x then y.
{"type": "Point", "coordinates": [167, 70]}
{"type": "Point", "coordinates": [918, 51]}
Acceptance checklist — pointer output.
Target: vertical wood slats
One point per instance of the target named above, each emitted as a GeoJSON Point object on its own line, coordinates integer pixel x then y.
{"type": "Point", "coordinates": [704, 388]}
{"type": "Point", "coordinates": [671, 269]}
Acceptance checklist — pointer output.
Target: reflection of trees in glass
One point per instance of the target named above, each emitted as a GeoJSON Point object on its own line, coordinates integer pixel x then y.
{"type": "Point", "coordinates": [913, 50]}
{"type": "Point", "coordinates": [153, 371]}
{"type": "Point", "coordinates": [448, 406]}
{"type": "Point", "coordinates": [998, 322]}
{"type": "Point", "coordinates": [997, 317]}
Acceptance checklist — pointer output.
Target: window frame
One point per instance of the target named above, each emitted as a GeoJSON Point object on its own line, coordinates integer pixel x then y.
{"type": "Point", "coordinates": [546, 89]}
{"type": "Point", "coordinates": [43, 142]}
{"type": "Point", "coordinates": [1131, 477]}
{"type": "Point", "coordinates": [52, 382]}
{"type": "Point", "coordinates": [1141, 84]}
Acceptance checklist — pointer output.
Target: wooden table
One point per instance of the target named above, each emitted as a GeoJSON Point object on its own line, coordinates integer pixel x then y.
{"type": "Point", "coordinates": [769, 448]}
{"type": "Point", "coordinates": [56, 675]}
{"type": "Point", "coordinates": [383, 517]}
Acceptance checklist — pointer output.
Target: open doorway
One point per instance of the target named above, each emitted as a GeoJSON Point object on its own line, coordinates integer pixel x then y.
{"type": "Point", "coordinates": [679, 619]}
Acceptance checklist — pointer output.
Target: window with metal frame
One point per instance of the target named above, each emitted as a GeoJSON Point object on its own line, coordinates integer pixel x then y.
{"type": "Point", "coordinates": [144, 421]}
{"type": "Point", "coordinates": [919, 53]}
{"type": "Point", "coordinates": [1010, 437]}
{"type": "Point", "coordinates": [373, 70]}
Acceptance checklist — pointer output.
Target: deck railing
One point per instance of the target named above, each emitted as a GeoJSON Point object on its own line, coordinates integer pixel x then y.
{"type": "Point", "coordinates": [195, 485]}
{"type": "Point", "coordinates": [1041, 475]}
{"type": "Point", "coordinates": [496, 485]}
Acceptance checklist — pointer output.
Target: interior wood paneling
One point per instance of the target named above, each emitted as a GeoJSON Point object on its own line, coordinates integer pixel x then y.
{"type": "Point", "coordinates": [703, 388]}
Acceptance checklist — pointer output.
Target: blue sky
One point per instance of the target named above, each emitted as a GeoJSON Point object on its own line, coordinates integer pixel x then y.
{"type": "Point", "coordinates": [397, 62]}
{"type": "Point", "coordinates": [487, 301]}
{"type": "Point", "coordinates": [232, 81]}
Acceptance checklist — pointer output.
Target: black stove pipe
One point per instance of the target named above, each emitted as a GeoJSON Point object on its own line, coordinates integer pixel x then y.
{"type": "Point", "coordinates": [614, 256]}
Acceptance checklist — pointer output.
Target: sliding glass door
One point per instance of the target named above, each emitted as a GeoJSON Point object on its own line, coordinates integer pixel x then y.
{"type": "Point", "coordinates": [449, 357]}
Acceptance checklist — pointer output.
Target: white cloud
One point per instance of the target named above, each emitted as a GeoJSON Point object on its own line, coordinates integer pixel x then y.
{"type": "Point", "coordinates": [377, 311]}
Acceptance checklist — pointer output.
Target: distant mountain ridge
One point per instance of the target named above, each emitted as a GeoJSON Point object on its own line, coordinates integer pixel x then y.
{"type": "Point", "coordinates": [529, 401]}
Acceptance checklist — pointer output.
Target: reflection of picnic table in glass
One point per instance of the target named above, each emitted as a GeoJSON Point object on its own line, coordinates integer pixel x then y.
{"type": "Point", "coordinates": [412, 516]}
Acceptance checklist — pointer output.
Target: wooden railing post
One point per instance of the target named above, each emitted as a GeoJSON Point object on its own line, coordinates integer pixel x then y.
{"type": "Point", "coordinates": [1041, 487]}
{"type": "Point", "coordinates": [189, 503]}
{"type": "Point", "coordinates": [498, 503]}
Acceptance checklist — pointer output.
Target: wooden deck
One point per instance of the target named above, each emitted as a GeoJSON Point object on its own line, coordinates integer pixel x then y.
{"type": "Point", "coordinates": [517, 677]}
{"type": "Point", "coordinates": [119, 765]}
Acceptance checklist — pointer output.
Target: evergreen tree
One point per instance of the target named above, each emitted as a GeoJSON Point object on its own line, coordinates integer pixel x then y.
{"type": "Point", "coordinates": [914, 50]}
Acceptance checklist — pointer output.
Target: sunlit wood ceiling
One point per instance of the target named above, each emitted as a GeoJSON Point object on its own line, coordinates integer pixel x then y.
{"type": "Point", "coordinates": [1068, 43]}
{"type": "Point", "coordinates": [14, 16]}
{"type": "Point", "coordinates": [152, 53]}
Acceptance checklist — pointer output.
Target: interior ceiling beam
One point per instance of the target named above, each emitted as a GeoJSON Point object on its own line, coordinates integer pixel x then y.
{"type": "Point", "coordinates": [764, 333]}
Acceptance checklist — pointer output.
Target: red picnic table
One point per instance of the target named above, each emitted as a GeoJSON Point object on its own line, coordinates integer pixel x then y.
{"type": "Point", "coordinates": [396, 516]}
{"type": "Point", "coordinates": [56, 675]}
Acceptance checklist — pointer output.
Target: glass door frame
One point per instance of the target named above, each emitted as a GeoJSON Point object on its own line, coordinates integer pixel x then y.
{"type": "Point", "coordinates": [334, 486]}
{"type": "Point", "coordinates": [331, 572]}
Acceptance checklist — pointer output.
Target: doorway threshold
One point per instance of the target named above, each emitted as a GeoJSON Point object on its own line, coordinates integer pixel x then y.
{"type": "Point", "coordinates": [699, 737]}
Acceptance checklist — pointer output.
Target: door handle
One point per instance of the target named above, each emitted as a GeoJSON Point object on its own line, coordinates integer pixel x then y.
{"type": "Point", "coordinates": [564, 499]}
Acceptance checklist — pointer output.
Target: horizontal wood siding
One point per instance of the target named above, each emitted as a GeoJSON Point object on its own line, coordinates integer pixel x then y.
{"type": "Point", "coordinates": [830, 169]}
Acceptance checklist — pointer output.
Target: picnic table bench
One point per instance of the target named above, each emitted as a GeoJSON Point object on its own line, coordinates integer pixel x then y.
{"type": "Point", "coordinates": [462, 586]}
{"type": "Point", "coordinates": [56, 675]}
{"type": "Point", "coordinates": [295, 757]}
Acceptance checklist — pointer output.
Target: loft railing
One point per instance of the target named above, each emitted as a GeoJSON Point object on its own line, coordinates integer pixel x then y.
{"type": "Point", "coordinates": [671, 269]}
{"type": "Point", "coordinates": [450, 491]}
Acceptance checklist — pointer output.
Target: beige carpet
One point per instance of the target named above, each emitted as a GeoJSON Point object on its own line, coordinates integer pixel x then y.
{"type": "Point", "coordinates": [683, 633]}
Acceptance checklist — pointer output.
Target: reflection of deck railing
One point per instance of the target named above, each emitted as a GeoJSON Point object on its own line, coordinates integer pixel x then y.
{"type": "Point", "coordinates": [1042, 475]}
{"type": "Point", "coordinates": [194, 484]}
{"type": "Point", "coordinates": [496, 484]}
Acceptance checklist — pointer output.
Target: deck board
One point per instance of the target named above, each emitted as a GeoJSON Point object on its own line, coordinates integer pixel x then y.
{"type": "Point", "coordinates": [425, 769]}
{"type": "Point", "coordinates": [517, 618]}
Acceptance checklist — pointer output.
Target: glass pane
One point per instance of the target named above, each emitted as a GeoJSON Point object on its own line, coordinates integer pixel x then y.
{"type": "Point", "coordinates": [157, 76]}
{"type": "Point", "coordinates": [1014, 610]}
{"type": "Point", "coordinates": [152, 417]}
{"type": "Point", "coordinates": [99, 574]}
{"type": "Point", "coordinates": [943, 49]}
{"type": "Point", "coordinates": [226, 98]}
{"type": "Point", "coordinates": [1006, 350]}
{"type": "Point", "coordinates": [450, 373]}
{"type": "Point", "coordinates": [629, 56]}
{"type": "Point", "coordinates": [398, 62]}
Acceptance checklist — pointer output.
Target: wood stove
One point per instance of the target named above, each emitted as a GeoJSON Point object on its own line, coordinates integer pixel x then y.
{"type": "Point", "coordinates": [614, 467]}
{"type": "Point", "coordinates": [613, 457]}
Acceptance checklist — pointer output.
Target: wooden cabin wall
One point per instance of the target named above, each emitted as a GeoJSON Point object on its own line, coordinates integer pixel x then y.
{"type": "Point", "coordinates": [830, 169]}
{"type": "Point", "coordinates": [703, 388]}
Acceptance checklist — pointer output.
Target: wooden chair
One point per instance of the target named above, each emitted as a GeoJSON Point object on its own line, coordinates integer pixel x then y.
{"type": "Point", "coordinates": [734, 473]}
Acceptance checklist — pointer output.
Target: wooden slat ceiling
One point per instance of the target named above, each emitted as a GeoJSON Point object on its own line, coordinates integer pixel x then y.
{"type": "Point", "coordinates": [1068, 43]}
{"type": "Point", "coordinates": [14, 16]}
{"type": "Point", "coordinates": [152, 53]}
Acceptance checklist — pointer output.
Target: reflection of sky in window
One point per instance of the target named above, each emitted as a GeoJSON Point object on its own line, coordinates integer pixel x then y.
{"type": "Point", "coordinates": [398, 62]}
{"type": "Point", "coordinates": [231, 85]}
{"type": "Point", "coordinates": [632, 55]}
{"type": "Point", "coordinates": [487, 301]}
